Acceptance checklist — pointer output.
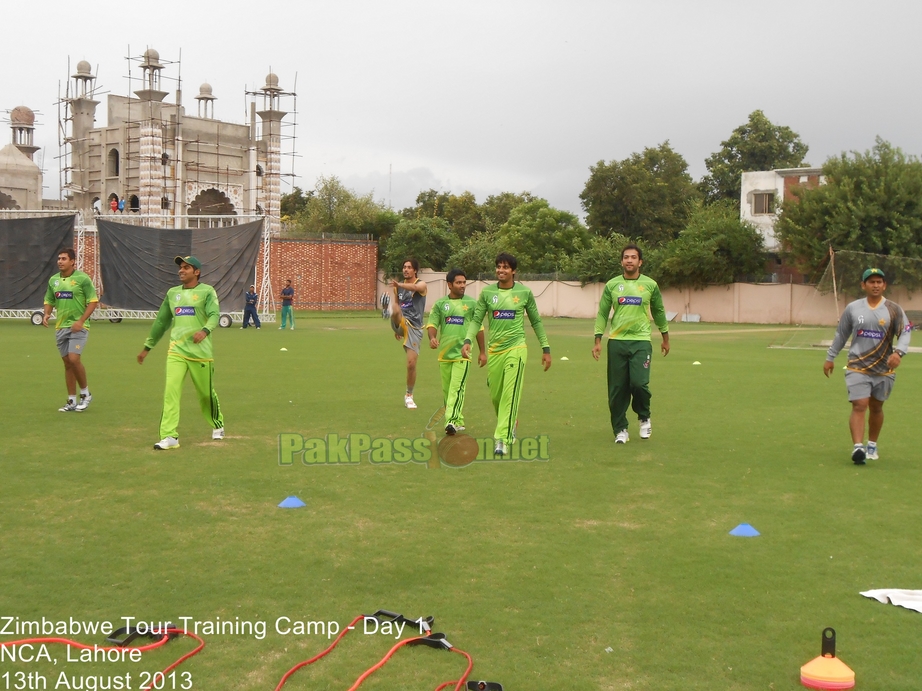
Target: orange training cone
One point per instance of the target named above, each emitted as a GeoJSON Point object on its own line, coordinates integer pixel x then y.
{"type": "Point", "coordinates": [827, 671]}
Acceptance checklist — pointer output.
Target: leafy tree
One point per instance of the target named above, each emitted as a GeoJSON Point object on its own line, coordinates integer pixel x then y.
{"type": "Point", "coordinates": [429, 204]}
{"type": "Point", "coordinates": [496, 208]}
{"type": "Point", "coordinates": [428, 240]}
{"type": "Point", "coordinates": [477, 256]}
{"type": "Point", "coordinates": [648, 196]}
{"type": "Point", "coordinates": [600, 260]}
{"type": "Point", "coordinates": [293, 203]}
{"type": "Point", "coordinates": [870, 202]}
{"type": "Point", "coordinates": [757, 145]}
{"type": "Point", "coordinates": [715, 247]}
{"type": "Point", "coordinates": [541, 237]}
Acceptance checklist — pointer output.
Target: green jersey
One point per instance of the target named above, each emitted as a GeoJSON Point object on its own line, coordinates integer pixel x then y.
{"type": "Point", "coordinates": [631, 298]}
{"type": "Point", "coordinates": [451, 318]}
{"type": "Point", "coordinates": [70, 296]}
{"type": "Point", "coordinates": [188, 310]}
{"type": "Point", "coordinates": [505, 310]}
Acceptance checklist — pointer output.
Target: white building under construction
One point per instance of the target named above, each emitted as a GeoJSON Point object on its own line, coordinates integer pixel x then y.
{"type": "Point", "coordinates": [151, 159]}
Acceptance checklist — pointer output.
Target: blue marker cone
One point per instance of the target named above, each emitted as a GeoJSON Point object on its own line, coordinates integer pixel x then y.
{"type": "Point", "coordinates": [744, 530]}
{"type": "Point", "coordinates": [292, 503]}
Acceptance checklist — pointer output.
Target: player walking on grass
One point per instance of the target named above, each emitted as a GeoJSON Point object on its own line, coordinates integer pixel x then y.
{"type": "Point", "coordinates": [872, 322]}
{"type": "Point", "coordinates": [504, 306]}
{"type": "Point", "coordinates": [406, 314]}
{"type": "Point", "coordinates": [449, 319]}
{"type": "Point", "coordinates": [630, 350]}
{"type": "Point", "coordinates": [72, 294]}
{"type": "Point", "coordinates": [192, 310]}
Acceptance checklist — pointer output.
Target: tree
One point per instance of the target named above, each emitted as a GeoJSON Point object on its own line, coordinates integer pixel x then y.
{"type": "Point", "coordinates": [428, 240]}
{"type": "Point", "coordinates": [600, 260]}
{"type": "Point", "coordinates": [715, 247]}
{"type": "Point", "coordinates": [541, 237]}
{"type": "Point", "coordinates": [477, 256]}
{"type": "Point", "coordinates": [293, 203]}
{"type": "Point", "coordinates": [757, 145]}
{"type": "Point", "coordinates": [870, 202]}
{"type": "Point", "coordinates": [647, 196]}
{"type": "Point", "coordinates": [429, 204]}
{"type": "Point", "coordinates": [496, 208]}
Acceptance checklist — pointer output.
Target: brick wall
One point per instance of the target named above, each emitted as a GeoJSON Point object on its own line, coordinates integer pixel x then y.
{"type": "Point", "coordinates": [326, 274]}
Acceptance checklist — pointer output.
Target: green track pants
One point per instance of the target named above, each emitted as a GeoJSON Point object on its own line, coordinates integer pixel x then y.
{"type": "Point", "coordinates": [505, 374]}
{"type": "Point", "coordinates": [202, 374]}
{"type": "Point", "coordinates": [454, 385]}
{"type": "Point", "coordinates": [628, 380]}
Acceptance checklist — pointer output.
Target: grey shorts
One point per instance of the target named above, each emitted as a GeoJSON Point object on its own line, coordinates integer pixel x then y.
{"type": "Point", "coordinates": [70, 342]}
{"type": "Point", "coordinates": [876, 386]}
{"type": "Point", "coordinates": [412, 335]}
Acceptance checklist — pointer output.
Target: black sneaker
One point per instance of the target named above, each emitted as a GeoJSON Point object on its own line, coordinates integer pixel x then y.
{"type": "Point", "coordinates": [859, 454]}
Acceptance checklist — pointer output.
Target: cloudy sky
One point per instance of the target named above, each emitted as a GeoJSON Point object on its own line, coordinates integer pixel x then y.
{"type": "Point", "coordinates": [499, 95]}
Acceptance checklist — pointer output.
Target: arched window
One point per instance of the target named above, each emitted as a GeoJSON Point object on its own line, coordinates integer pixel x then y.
{"type": "Point", "coordinates": [112, 162]}
{"type": "Point", "coordinates": [259, 171]}
{"type": "Point", "coordinates": [134, 203]}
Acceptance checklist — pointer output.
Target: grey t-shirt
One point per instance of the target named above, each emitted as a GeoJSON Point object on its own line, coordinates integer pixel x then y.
{"type": "Point", "coordinates": [872, 331]}
{"type": "Point", "coordinates": [413, 306]}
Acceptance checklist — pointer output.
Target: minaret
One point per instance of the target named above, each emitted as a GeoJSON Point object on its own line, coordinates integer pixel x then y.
{"type": "Point", "coordinates": [83, 114]}
{"type": "Point", "coordinates": [150, 182]}
{"type": "Point", "coordinates": [272, 136]}
{"type": "Point", "coordinates": [22, 120]}
{"type": "Point", "coordinates": [206, 99]}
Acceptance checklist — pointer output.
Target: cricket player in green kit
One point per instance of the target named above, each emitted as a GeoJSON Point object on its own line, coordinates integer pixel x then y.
{"type": "Point", "coordinates": [192, 310]}
{"type": "Point", "coordinates": [505, 305]}
{"type": "Point", "coordinates": [629, 346]}
{"type": "Point", "coordinates": [449, 319]}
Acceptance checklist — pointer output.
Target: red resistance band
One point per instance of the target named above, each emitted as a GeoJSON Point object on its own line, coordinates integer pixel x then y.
{"type": "Point", "coordinates": [433, 640]}
{"type": "Point", "coordinates": [143, 648]}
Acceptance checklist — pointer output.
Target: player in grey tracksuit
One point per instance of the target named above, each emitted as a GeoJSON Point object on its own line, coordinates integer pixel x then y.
{"type": "Point", "coordinates": [873, 323]}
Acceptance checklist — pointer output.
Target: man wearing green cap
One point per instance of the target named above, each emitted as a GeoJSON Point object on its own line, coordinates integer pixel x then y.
{"type": "Point", "coordinates": [873, 322]}
{"type": "Point", "coordinates": [192, 310]}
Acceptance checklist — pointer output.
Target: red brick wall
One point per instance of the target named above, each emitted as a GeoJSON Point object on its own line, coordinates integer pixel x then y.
{"type": "Point", "coordinates": [326, 274]}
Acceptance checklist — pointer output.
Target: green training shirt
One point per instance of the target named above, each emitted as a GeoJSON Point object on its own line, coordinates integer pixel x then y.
{"type": "Point", "coordinates": [505, 310]}
{"type": "Point", "coordinates": [189, 310]}
{"type": "Point", "coordinates": [631, 298]}
{"type": "Point", "coordinates": [70, 296]}
{"type": "Point", "coordinates": [451, 318]}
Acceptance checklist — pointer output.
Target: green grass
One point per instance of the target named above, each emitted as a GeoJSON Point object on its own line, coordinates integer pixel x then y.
{"type": "Point", "coordinates": [533, 568]}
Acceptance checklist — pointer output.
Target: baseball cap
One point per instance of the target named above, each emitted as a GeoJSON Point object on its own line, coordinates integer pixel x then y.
{"type": "Point", "coordinates": [190, 260]}
{"type": "Point", "coordinates": [872, 272]}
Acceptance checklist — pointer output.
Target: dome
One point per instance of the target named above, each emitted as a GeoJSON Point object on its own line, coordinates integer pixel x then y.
{"type": "Point", "coordinates": [20, 115]}
{"type": "Point", "coordinates": [151, 58]}
{"type": "Point", "coordinates": [272, 83]}
{"type": "Point", "coordinates": [84, 69]}
{"type": "Point", "coordinates": [205, 90]}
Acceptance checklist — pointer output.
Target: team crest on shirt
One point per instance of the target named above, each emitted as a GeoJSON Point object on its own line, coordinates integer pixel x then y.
{"type": "Point", "coordinates": [447, 307]}
{"type": "Point", "coordinates": [882, 322]}
{"type": "Point", "coordinates": [861, 319]}
{"type": "Point", "coordinates": [495, 299]}
{"type": "Point", "coordinates": [57, 283]}
{"type": "Point", "coordinates": [620, 287]}
{"type": "Point", "coordinates": [178, 297]}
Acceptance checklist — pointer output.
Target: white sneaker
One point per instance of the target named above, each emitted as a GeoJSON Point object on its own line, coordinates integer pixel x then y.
{"type": "Point", "coordinates": [409, 402]}
{"type": "Point", "coordinates": [500, 449]}
{"type": "Point", "coordinates": [218, 433]}
{"type": "Point", "coordinates": [68, 407]}
{"type": "Point", "coordinates": [167, 443]}
{"type": "Point", "coordinates": [622, 437]}
{"type": "Point", "coordinates": [292, 328]}
{"type": "Point", "coordinates": [84, 402]}
{"type": "Point", "coordinates": [646, 429]}
{"type": "Point", "coordinates": [872, 452]}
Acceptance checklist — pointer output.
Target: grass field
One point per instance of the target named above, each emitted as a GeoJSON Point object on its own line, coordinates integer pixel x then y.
{"type": "Point", "coordinates": [604, 567]}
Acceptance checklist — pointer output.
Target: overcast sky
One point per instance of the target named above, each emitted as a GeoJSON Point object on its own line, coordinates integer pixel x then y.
{"type": "Point", "coordinates": [499, 95]}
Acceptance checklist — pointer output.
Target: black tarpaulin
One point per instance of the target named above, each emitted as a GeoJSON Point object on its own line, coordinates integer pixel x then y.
{"type": "Point", "coordinates": [137, 263]}
{"type": "Point", "coordinates": [28, 257]}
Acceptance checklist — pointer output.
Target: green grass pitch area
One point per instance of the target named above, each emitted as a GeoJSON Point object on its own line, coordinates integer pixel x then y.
{"type": "Point", "coordinates": [600, 567]}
